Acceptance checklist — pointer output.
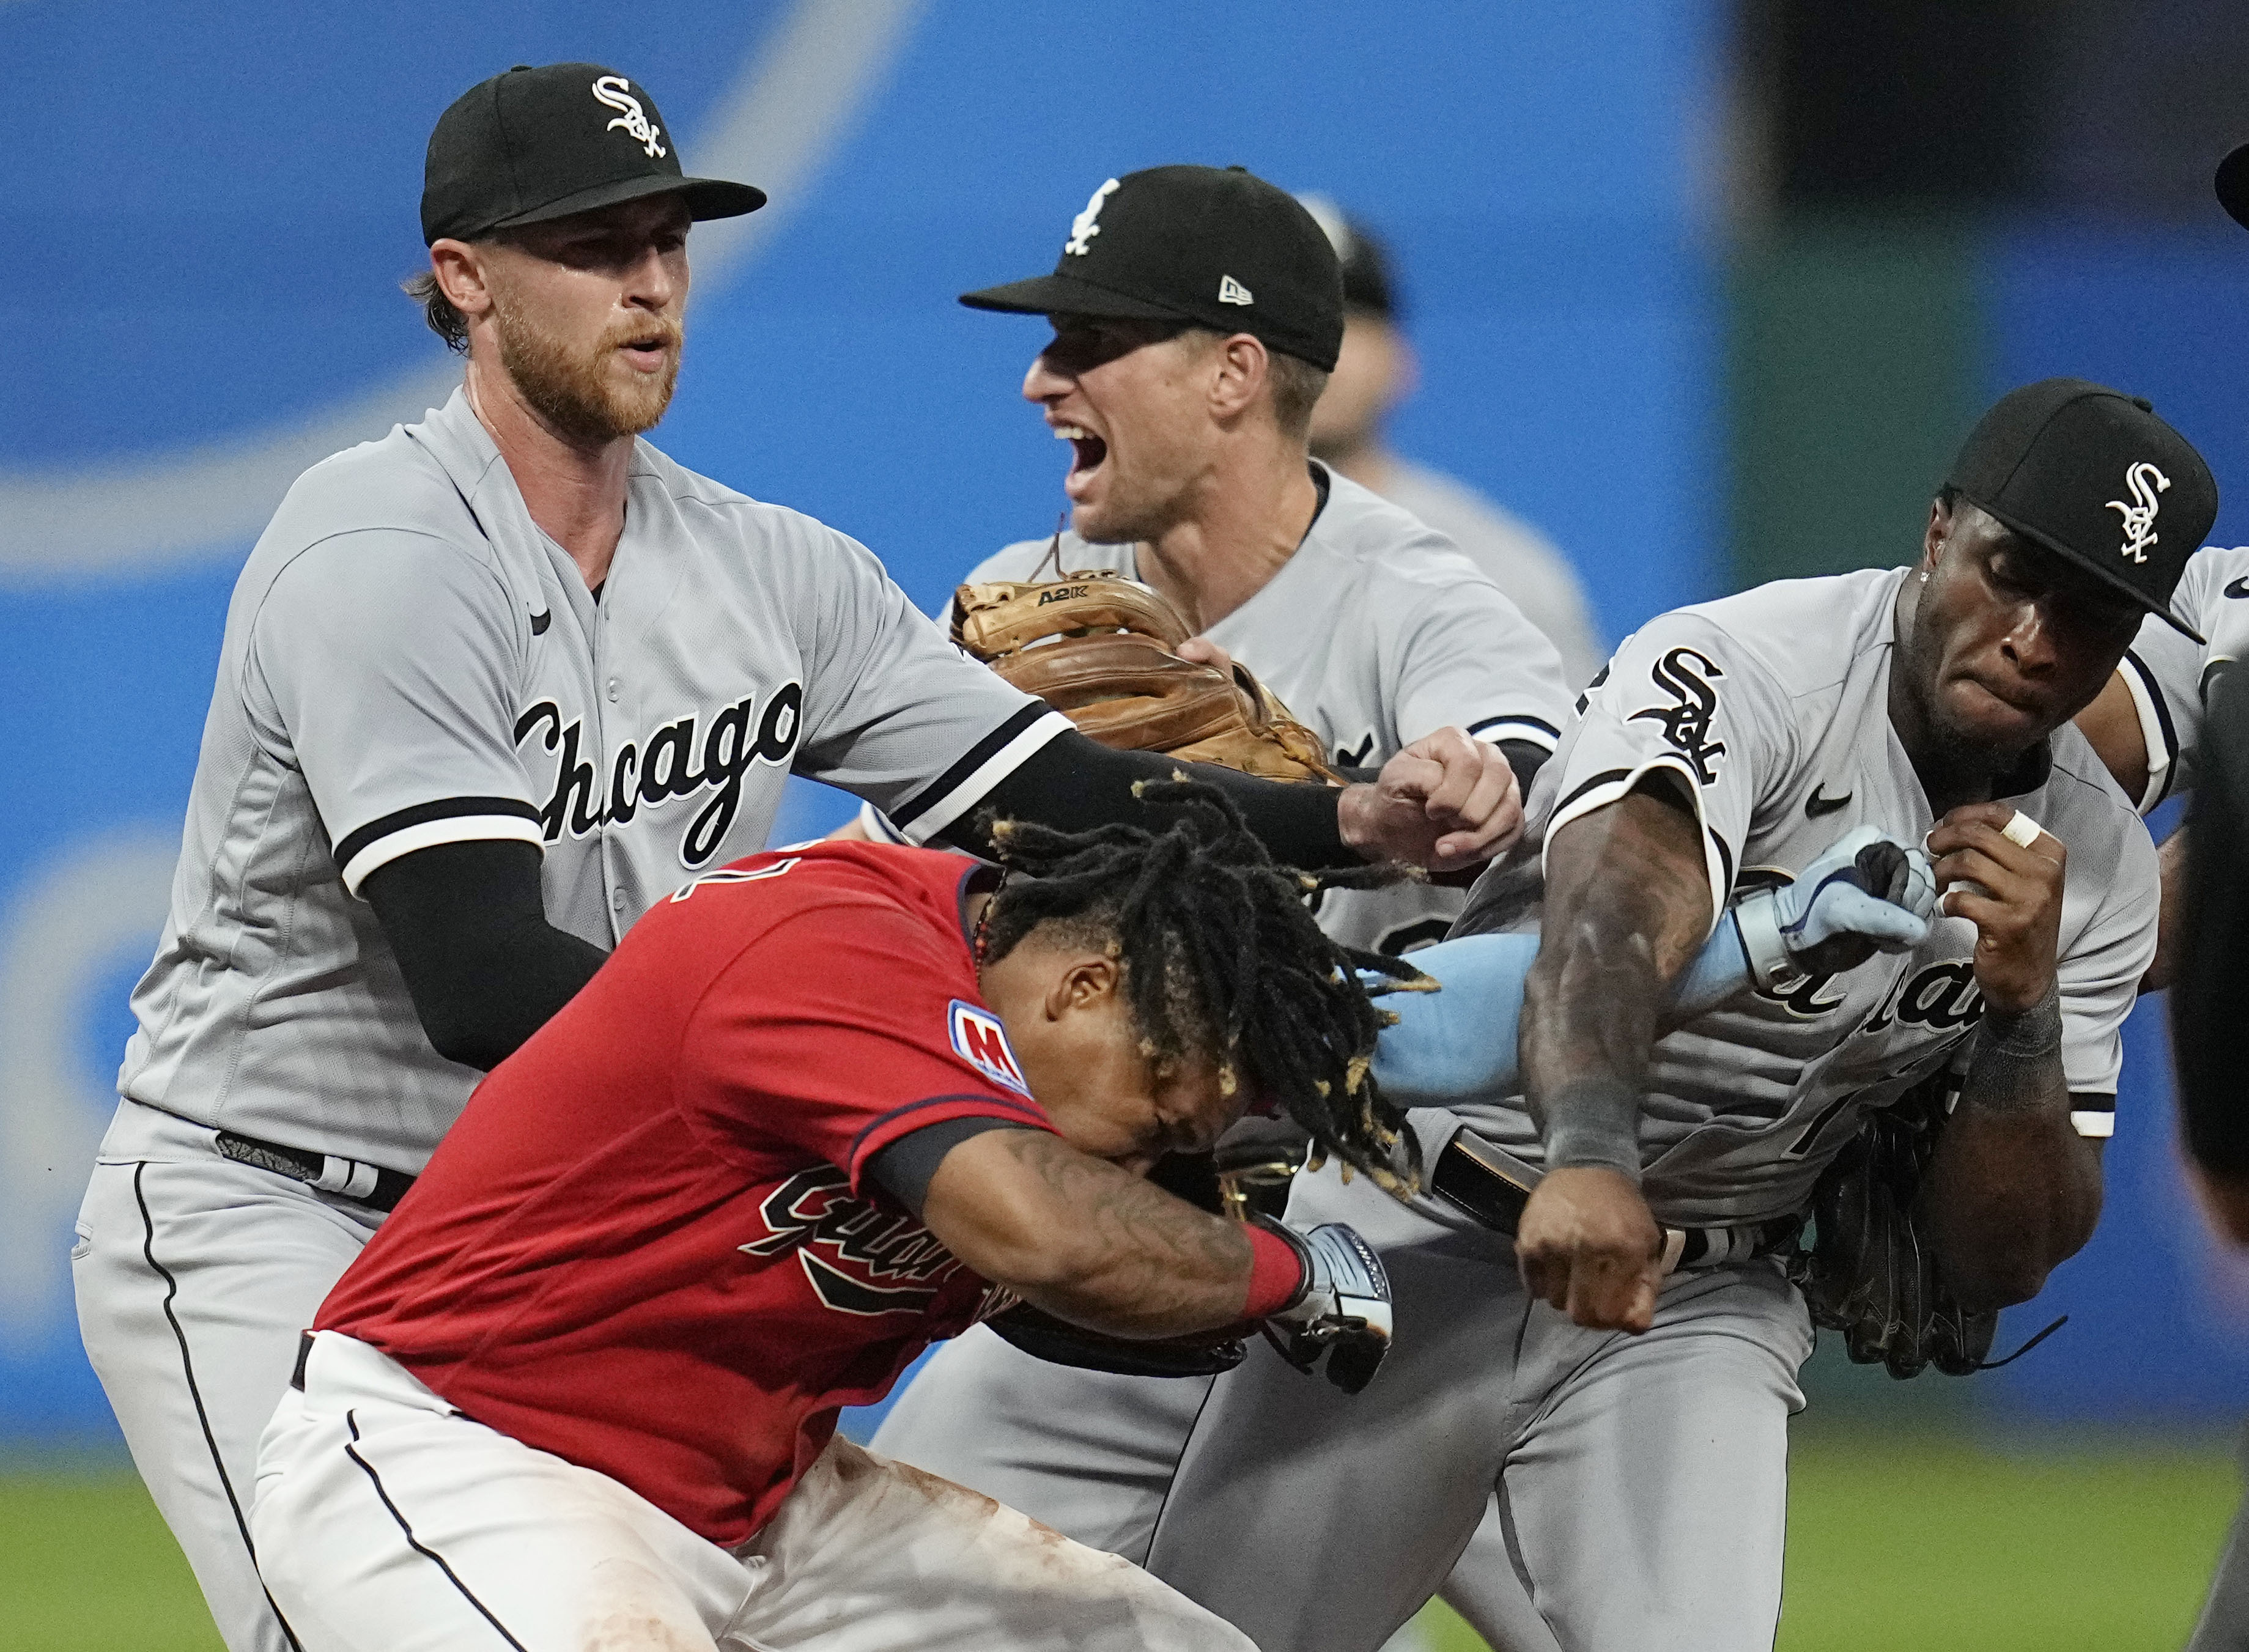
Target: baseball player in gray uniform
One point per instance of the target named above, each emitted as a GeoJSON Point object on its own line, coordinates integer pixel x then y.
{"type": "Point", "coordinates": [1633, 1420]}
{"type": "Point", "coordinates": [1372, 630]}
{"type": "Point", "coordinates": [2147, 722]}
{"type": "Point", "coordinates": [1375, 372]}
{"type": "Point", "coordinates": [489, 688]}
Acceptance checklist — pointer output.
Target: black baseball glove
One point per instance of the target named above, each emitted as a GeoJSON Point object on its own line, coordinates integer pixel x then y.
{"type": "Point", "coordinates": [1871, 1273]}
{"type": "Point", "coordinates": [1061, 1343]}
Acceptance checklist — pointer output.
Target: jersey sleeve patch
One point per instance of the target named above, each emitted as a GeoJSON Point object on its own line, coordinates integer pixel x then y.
{"type": "Point", "coordinates": [980, 1040]}
{"type": "Point", "coordinates": [454, 820]}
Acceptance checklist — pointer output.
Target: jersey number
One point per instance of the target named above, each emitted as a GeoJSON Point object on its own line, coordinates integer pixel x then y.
{"type": "Point", "coordinates": [735, 875]}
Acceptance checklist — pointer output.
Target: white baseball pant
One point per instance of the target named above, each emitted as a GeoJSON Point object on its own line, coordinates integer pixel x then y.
{"type": "Point", "coordinates": [194, 1276]}
{"type": "Point", "coordinates": [386, 1521]}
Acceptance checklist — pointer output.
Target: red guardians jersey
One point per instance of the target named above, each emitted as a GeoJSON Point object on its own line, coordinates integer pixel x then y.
{"type": "Point", "coordinates": [647, 1247]}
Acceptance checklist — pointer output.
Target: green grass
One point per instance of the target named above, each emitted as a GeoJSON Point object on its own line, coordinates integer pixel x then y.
{"type": "Point", "coordinates": [1928, 1542]}
{"type": "Point", "coordinates": [87, 1565]}
{"type": "Point", "coordinates": [1917, 1540]}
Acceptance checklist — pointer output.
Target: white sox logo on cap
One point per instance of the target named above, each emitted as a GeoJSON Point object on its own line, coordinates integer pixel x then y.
{"type": "Point", "coordinates": [1083, 227]}
{"type": "Point", "coordinates": [2143, 481]}
{"type": "Point", "coordinates": [615, 91]}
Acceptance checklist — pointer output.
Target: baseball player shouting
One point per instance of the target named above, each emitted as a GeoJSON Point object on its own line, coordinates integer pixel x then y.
{"type": "Point", "coordinates": [489, 687]}
{"type": "Point", "coordinates": [1633, 1421]}
{"type": "Point", "coordinates": [1196, 312]}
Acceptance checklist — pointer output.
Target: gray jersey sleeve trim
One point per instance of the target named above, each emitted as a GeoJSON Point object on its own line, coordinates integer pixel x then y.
{"type": "Point", "coordinates": [1613, 785]}
{"type": "Point", "coordinates": [1533, 731]}
{"type": "Point", "coordinates": [2156, 732]}
{"type": "Point", "coordinates": [458, 819]}
{"type": "Point", "coordinates": [986, 763]}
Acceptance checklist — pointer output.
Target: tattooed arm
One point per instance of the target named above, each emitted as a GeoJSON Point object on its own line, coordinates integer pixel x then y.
{"type": "Point", "coordinates": [2014, 1189]}
{"type": "Point", "coordinates": [1627, 904]}
{"type": "Point", "coordinates": [1085, 1241]}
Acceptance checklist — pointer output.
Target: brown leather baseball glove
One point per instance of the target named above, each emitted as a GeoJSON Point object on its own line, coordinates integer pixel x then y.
{"type": "Point", "coordinates": [1100, 649]}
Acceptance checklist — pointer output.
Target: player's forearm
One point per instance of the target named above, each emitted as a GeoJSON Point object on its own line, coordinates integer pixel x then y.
{"type": "Point", "coordinates": [1086, 1241]}
{"type": "Point", "coordinates": [2013, 1190]}
{"type": "Point", "coordinates": [1628, 905]}
{"type": "Point", "coordinates": [1074, 784]}
{"type": "Point", "coordinates": [1460, 1041]}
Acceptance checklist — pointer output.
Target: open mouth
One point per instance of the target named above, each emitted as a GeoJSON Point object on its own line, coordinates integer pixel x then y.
{"type": "Point", "coordinates": [1087, 451]}
{"type": "Point", "coordinates": [647, 353]}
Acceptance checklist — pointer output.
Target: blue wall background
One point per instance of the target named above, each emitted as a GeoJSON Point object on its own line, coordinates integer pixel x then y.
{"type": "Point", "coordinates": [2159, 1326]}
{"type": "Point", "coordinates": [209, 212]}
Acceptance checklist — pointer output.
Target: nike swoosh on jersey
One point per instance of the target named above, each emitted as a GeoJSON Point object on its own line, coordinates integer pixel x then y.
{"type": "Point", "coordinates": [2239, 587]}
{"type": "Point", "coordinates": [1815, 805]}
{"type": "Point", "coordinates": [541, 620]}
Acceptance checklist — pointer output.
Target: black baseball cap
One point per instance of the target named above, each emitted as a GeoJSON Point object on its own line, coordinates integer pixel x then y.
{"type": "Point", "coordinates": [2095, 477]}
{"type": "Point", "coordinates": [1367, 287]}
{"type": "Point", "coordinates": [2233, 185]}
{"type": "Point", "coordinates": [534, 144]}
{"type": "Point", "coordinates": [1218, 247]}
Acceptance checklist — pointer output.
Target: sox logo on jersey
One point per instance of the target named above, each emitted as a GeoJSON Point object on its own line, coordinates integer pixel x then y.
{"type": "Point", "coordinates": [665, 766]}
{"type": "Point", "coordinates": [1686, 722]}
{"type": "Point", "coordinates": [874, 1262]}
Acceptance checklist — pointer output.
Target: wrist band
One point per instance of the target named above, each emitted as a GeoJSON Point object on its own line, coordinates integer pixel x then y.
{"type": "Point", "coordinates": [1593, 1121]}
{"type": "Point", "coordinates": [2018, 1058]}
{"type": "Point", "coordinates": [1276, 1274]}
{"type": "Point", "coordinates": [2037, 1031]}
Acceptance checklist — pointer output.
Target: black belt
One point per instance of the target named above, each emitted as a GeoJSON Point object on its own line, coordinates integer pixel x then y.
{"type": "Point", "coordinates": [363, 1184]}
{"type": "Point", "coordinates": [304, 1352]}
{"type": "Point", "coordinates": [1493, 1186]}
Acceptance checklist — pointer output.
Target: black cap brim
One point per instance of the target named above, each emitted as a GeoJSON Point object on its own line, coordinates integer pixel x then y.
{"type": "Point", "coordinates": [2233, 183]}
{"type": "Point", "coordinates": [2160, 610]}
{"type": "Point", "coordinates": [706, 198]}
{"type": "Point", "coordinates": [1067, 295]}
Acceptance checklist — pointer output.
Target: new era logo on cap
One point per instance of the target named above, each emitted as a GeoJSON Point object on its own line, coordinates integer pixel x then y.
{"type": "Point", "coordinates": [1232, 291]}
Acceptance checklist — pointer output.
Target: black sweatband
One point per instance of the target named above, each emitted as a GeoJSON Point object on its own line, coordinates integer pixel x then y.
{"type": "Point", "coordinates": [904, 1167]}
{"type": "Point", "coordinates": [1593, 1121]}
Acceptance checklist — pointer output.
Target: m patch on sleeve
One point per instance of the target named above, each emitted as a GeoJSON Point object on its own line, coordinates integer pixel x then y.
{"type": "Point", "coordinates": [980, 1040]}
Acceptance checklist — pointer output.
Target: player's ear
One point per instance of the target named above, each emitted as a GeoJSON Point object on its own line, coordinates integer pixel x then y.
{"type": "Point", "coordinates": [1940, 530]}
{"type": "Point", "coordinates": [1240, 371]}
{"type": "Point", "coordinates": [460, 269]}
{"type": "Point", "coordinates": [1087, 981]}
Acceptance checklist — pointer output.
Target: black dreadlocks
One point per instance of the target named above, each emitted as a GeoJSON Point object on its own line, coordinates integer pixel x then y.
{"type": "Point", "coordinates": [1221, 958]}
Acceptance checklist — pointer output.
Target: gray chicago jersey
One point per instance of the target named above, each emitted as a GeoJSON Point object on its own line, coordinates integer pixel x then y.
{"type": "Point", "coordinates": [1376, 632]}
{"type": "Point", "coordinates": [1520, 559]}
{"type": "Point", "coordinates": [2169, 674]}
{"type": "Point", "coordinates": [409, 661]}
{"type": "Point", "coordinates": [1770, 711]}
